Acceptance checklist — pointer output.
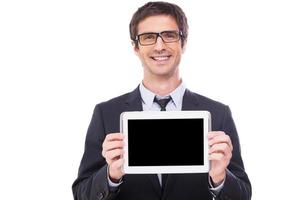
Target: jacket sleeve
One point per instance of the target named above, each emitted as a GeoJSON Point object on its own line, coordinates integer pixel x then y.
{"type": "Point", "coordinates": [237, 185]}
{"type": "Point", "coordinates": [92, 182]}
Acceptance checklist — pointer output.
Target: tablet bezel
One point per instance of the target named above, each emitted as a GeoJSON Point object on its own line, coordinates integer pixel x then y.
{"type": "Point", "coordinates": [205, 115]}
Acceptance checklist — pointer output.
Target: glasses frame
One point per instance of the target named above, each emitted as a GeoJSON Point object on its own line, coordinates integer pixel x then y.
{"type": "Point", "coordinates": [137, 38]}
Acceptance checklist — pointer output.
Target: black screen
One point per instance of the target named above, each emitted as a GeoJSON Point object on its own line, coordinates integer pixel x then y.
{"type": "Point", "coordinates": [165, 142]}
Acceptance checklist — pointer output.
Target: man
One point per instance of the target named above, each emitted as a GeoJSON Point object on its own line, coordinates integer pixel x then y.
{"type": "Point", "coordinates": [159, 32]}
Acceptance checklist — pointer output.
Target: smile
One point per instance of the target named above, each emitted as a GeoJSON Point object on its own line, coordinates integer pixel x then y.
{"type": "Point", "coordinates": [160, 58]}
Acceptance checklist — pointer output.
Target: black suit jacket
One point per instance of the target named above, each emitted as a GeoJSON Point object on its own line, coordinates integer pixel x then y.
{"type": "Point", "coordinates": [92, 183]}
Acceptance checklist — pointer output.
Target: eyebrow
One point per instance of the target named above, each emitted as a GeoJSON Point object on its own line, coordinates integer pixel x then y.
{"type": "Point", "coordinates": [158, 32]}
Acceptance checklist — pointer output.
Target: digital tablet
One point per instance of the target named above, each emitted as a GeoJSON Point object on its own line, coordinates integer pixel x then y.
{"type": "Point", "coordinates": [165, 142]}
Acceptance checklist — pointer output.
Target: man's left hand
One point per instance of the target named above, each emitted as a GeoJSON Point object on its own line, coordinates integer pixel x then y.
{"type": "Point", "coordinates": [220, 153]}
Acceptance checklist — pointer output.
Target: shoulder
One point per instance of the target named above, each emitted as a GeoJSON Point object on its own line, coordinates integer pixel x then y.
{"type": "Point", "coordinates": [220, 113]}
{"type": "Point", "coordinates": [120, 102]}
{"type": "Point", "coordinates": [114, 102]}
{"type": "Point", "coordinates": [206, 101]}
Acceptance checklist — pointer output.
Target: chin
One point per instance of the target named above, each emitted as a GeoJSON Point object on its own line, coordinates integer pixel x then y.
{"type": "Point", "coordinates": [163, 73]}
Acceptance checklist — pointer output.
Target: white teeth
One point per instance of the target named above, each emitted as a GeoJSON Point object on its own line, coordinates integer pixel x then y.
{"type": "Point", "coordinates": [161, 58]}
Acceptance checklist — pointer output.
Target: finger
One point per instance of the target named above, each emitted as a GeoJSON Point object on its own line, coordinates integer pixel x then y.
{"type": "Point", "coordinates": [114, 136]}
{"type": "Point", "coordinates": [110, 159]}
{"type": "Point", "coordinates": [229, 156]}
{"type": "Point", "coordinates": [213, 134]}
{"type": "Point", "coordinates": [118, 165]}
{"type": "Point", "coordinates": [107, 146]}
{"type": "Point", "coordinates": [216, 156]}
{"type": "Point", "coordinates": [221, 139]}
{"type": "Point", "coordinates": [113, 154]}
{"type": "Point", "coordinates": [220, 157]}
{"type": "Point", "coordinates": [220, 148]}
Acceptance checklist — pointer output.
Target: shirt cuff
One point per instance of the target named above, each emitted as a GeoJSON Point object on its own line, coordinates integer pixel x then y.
{"type": "Point", "coordinates": [112, 184]}
{"type": "Point", "coordinates": [215, 190]}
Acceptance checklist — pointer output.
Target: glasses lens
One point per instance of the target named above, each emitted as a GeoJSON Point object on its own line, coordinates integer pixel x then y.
{"type": "Point", "coordinates": [170, 36]}
{"type": "Point", "coordinates": [151, 38]}
{"type": "Point", "coordinates": [147, 38]}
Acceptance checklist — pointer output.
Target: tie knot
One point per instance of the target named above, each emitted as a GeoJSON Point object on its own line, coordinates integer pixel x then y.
{"type": "Point", "coordinates": [162, 102]}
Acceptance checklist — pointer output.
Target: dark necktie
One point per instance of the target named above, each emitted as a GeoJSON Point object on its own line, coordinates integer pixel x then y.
{"type": "Point", "coordinates": [163, 103]}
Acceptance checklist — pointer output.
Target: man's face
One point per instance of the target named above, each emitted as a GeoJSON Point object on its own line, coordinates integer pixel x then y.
{"type": "Point", "coordinates": [160, 60]}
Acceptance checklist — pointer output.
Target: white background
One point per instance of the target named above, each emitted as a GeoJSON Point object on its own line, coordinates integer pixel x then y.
{"type": "Point", "coordinates": [59, 58]}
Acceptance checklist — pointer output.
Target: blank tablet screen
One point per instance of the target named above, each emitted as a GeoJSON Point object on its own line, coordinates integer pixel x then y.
{"type": "Point", "coordinates": [165, 142]}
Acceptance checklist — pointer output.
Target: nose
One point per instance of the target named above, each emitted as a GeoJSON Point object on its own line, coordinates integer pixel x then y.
{"type": "Point", "coordinates": [160, 44]}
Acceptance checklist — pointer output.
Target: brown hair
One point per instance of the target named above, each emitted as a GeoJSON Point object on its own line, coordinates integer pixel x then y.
{"type": "Point", "coordinates": [159, 8]}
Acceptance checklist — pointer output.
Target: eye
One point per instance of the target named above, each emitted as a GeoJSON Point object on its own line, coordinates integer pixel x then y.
{"type": "Point", "coordinates": [148, 37]}
{"type": "Point", "coordinates": [170, 35]}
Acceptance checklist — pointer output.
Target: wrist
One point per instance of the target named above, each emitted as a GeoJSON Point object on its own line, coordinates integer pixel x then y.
{"type": "Point", "coordinates": [218, 179]}
{"type": "Point", "coordinates": [113, 178]}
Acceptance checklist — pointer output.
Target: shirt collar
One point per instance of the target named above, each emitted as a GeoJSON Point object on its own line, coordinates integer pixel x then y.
{"type": "Point", "coordinates": [176, 95]}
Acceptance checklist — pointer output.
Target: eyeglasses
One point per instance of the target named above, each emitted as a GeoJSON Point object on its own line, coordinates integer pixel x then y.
{"type": "Point", "coordinates": [146, 39]}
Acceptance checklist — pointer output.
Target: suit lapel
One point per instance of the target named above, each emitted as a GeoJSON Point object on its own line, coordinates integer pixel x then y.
{"type": "Point", "coordinates": [189, 101]}
{"type": "Point", "coordinates": [155, 183]}
{"type": "Point", "coordinates": [134, 101]}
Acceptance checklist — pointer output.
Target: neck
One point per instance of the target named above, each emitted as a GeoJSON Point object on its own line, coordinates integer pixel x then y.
{"type": "Point", "coordinates": [162, 86]}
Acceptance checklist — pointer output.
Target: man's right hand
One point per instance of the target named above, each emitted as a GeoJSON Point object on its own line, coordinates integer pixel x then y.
{"type": "Point", "coordinates": [113, 153]}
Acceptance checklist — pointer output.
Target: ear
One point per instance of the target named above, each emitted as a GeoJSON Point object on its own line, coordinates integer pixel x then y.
{"type": "Point", "coordinates": [184, 47]}
{"type": "Point", "coordinates": [135, 48]}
